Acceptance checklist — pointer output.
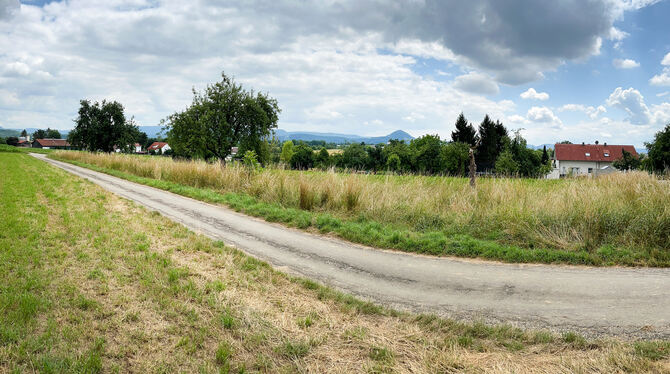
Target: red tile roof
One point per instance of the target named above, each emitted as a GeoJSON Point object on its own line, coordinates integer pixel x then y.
{"type": "Point", "coordinates": [596, 152]}
{"type": "Point", "coordinates": [53, 142]}
{"type": "Point", "coordinates": [156, 145]}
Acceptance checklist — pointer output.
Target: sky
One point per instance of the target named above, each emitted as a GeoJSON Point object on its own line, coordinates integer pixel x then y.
{"type": "Point", "coordinates": [578, 70]}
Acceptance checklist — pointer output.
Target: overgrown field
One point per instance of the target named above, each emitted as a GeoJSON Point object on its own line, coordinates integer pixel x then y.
{"type": "Point", "coordinates": [93, 283]}
{"type": "Point", "coordinates": [617, 219]}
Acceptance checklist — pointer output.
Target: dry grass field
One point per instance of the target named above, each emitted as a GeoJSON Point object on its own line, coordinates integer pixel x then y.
{"type": "Point", "coordinates": [615, 219]}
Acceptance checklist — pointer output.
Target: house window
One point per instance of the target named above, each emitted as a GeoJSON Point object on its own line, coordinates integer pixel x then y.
{"type": "Point", "coordinates": [590, 170]}
{"type": "Point", "coordinates": [588, 154]}
{"type": "Point", "coordinates": [607, 154]}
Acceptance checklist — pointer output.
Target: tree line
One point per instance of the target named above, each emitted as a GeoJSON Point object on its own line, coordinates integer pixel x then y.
{"type": "Point", "coordinates": [226, 115]}
{"type": "Point", "coordinates": [496, 152]}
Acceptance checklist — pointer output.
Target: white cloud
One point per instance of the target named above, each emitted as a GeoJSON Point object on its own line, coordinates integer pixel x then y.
{"type": "Point", "coordinates": [666, 60]}
{"type": "Point", "coordinates": [662, 79]}
{"type": "Point", "coordinates": [662, 94]}
{"type": "Point", "coordinates": [17, 68]}
{"type": "Point", "coordinates": [543, 115]}
{"type": "Point", "coordinates": [531, 94]}
{"type": "Point", "coordinates": [625, 63]}
{"type": "Point", "coordinates": [477, 83]}
{"type": "Point", "coordinates": [632, 102]}
{"type": "Point", "coordinates": [592, 112]}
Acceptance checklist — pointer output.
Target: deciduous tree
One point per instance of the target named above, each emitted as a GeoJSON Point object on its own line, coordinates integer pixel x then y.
{"type": "Point", "coordinates": [222, 116]}
{"type": "Point", "coordinates": [101, 126]}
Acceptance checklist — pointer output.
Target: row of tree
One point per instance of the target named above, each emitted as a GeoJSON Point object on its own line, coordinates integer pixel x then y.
{"type": "Point", "coordinates": [225, 115]}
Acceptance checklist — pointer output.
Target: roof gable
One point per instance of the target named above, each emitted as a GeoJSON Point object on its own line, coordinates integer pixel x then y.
{"type": "Point", "coordinates": [53, 142]}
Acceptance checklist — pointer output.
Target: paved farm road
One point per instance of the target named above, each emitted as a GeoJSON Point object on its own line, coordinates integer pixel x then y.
{"type": "Point", "coordinates": [595, 301]}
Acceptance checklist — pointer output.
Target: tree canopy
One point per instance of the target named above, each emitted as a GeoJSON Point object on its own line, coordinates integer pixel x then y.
{"type": "Point", "coordinates": [46, 134]}
{"type": "Point", "coordinates": [465, 132]}
{"type": "Point", "coordinates": [492, 141]}
{"type": "Point", "coordinates": [659, 151]}
{"type": "Point", "coordinates": [224, 115]}
{"type": "Point", "coordinates": [101, 126]}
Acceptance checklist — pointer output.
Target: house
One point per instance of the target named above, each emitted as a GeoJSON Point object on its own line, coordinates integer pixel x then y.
{"type": "Point", "coordinates": [51, 144]}
{"type": "Point", "coordinates": [24, 143]}
{"type": "Point", "coordinates": [233, 153]}
{"type": "Point", "coordinates": [158, 147]}
{"type": "Point", "coordinates": [588, 159]}
{"type": "Point", "coordinates": [138, 147]}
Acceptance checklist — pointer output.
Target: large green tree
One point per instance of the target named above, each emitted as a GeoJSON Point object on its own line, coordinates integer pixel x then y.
{"type": "Point", "coordinates": [627, 161]}
{"type": "Point", "coordinates": [224, 115]}
{"type": "Point", "coordinates": [455, 157]}
{"type": "Point", "coordinates": [493, 140]}
{"type": "Point", "coordinates": [426, 151]}
{"type": "Point", "coordinates": [659, 151]}
{"type": "Point", "coordinates": [102, 125]}
{"type": "Point", "coordinates": [465, 132]}
{"type": "Point", "coordinates": [303, 157]}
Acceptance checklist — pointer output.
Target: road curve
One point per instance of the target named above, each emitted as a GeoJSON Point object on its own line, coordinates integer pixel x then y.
{"type": "Point", "coordinates": [627, 302]}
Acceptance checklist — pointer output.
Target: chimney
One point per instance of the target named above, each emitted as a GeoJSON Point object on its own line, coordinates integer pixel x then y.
{"type": "Point", "coordinates": [605, 144]}
{"type": "Point", "coordinates": [596, 142]}
{"type": "Point", "coordinates": [582, 143]}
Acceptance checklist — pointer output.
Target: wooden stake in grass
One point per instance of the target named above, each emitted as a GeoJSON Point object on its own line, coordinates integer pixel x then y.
{"type": "Point", "coordinates": [473, 168]}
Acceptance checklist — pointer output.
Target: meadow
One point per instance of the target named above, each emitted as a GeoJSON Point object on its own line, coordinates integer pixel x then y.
{"type": "Point", "coordinates": [619, 219]}
{"type": "Point", "coordinates": [92, 283]}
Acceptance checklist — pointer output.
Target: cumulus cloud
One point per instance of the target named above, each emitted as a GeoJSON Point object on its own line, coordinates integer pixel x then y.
{"type": "Point", "coordinates": [632, 102]}
{"type": "Point", "coordinates": [477, 83]}
{"type": "Point", "coordinates": [531, 94]}
{"type": "Point", "coordinates": [592, 112]}
{"type": "Point", "coordinates": [543, 115]}
{"type": "Point", "coordinates": [666, 60]}
{"type": "Point", "coordinates": [625, 63]}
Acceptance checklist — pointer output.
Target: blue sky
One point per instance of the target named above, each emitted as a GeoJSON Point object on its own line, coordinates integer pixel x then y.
{"type": "Point", "coordinates": [563, 70]}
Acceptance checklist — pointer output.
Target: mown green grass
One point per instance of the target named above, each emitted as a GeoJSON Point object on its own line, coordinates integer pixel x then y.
{"type": "Point", "coordinates": [365, 231]}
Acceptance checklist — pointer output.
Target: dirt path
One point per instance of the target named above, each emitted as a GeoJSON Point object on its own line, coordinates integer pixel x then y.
{"type": "Point", "coordinates": [594, 301]}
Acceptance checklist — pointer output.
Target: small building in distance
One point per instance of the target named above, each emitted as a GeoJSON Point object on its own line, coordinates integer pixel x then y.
{"type": "Point", "coordinates": [588, 159]}
{"type": "Point", "coordinates": [51, 144]}
{"type": "Point", "coordinates": [158, 148]}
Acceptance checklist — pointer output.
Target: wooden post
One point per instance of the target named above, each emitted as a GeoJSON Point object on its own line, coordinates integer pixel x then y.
{"type": "Point", "coordinates": [473, 168]}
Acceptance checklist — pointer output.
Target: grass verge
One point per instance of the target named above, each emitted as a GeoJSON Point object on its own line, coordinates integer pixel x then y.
{"type": "Point", "coordinates": [92, 283]}
{"type": "Point", "coordinates": [362, 230]}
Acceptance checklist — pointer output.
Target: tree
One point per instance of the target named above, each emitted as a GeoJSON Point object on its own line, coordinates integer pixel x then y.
{"type": "Point", "coordinates": [426, 151]}
{"type": "Point", "coordinates": [46, 134]}
{"type": "Point", "coordinates": [303, 157]}
{"type": "Point", "coordinates": [402, 151]}
{"type": "Point", "coordinates": [354, 157]}
{"type": "Point", "coordinates": [375, 159]}
{"type": "Point", "coordinates": [465, 132]}
{"type": "Point", "coordinates": [455, 156]}
{"type": "Point", "coordinates": [627, 162]}
{"type": "Point", "coordinates": [286, 152]}
{"type": "Point", "coordinates": [101, 126]}
{"type": "Point", "coordinates": [12, 140]}
{"type": "Point", "coordinates": [24, 133]}
{"type": "Point", "coordinates": [222, 116]}
{"type": "Point", "coordinates": [565, 142]}
{"type": "Point", "coordinates": [545, 155]}
{"type": "Point", "coordinates": [393, 162]}
{"type": "Point", "coordinates": [659, 151]}
{"type": "Point", "coordinates": [322, 158]}
{"type": "Point", "coordinates": [506, 165]}
{"type": "Point", "coordinates": [493, 139]}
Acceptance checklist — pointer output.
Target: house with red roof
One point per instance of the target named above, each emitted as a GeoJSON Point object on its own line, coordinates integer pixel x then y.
{"type": "Point", "coordinates": [158, 147]}
{"type": "Point", "coordinates": [588, 159]}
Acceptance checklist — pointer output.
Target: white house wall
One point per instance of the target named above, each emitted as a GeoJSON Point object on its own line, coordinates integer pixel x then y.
{"type": "Point", "coordinates": [580, 167]}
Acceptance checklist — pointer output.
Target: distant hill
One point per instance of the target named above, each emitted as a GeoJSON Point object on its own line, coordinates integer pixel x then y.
{"type": "Point", "coordinates": [152, 131]}
{"type": "Point", "coordinates": [341, 138]}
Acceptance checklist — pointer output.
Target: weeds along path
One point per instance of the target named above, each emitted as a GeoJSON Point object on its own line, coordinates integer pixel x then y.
{"type": "Point", "coordinates": [631, 302]}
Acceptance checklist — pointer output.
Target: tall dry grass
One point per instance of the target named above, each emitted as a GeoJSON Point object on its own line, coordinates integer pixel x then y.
{"type": "Point", "coordinates": [624, 210]}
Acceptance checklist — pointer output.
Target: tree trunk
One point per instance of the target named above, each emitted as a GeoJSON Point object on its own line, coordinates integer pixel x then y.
{"type": "Point", "coordinates": [473, 168]}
